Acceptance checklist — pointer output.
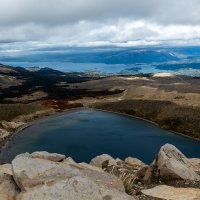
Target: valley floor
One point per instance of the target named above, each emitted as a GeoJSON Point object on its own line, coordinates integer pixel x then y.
{"type": "Point", "coordinates": [171, 101]}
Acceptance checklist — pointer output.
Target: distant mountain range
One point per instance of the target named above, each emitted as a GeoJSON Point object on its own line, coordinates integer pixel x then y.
{"type": "Point", "coordinates": [107, 55]}
{"type": "Point", "coordinates": [106, 59]}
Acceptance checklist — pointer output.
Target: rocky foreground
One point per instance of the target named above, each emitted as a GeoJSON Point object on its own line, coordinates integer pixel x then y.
{"type": "Point", "coordinates": [42, 175]}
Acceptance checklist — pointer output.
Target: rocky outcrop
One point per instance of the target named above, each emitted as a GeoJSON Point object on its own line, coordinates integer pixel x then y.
{"type": "Point", "coordinates": [196, 162]}
{"type": "Point", "coordinates": [43, 175]}
{"type": "Point", "coordinates": [171, 164]}
{"type": "Point", "coordinates": [165, 192]}
{"type": "Point", "coordinates": [6, 130]}
{"type": "Point", "coordinates": [6, 169]}
{"type": "Point", "coordinates": [76, 188]}
{"type": "Point", "coordinates": [69, 160]}
{"type": "Point", "coordinates": [99, 160]}
{"type": "Point", "coordinates": [129, 171]}
{"type": "Point", "coordinates": [136, 163]}
{"type": "Point", "coordinates": [3, 134]}
{"type": "Point", "coordinates": [38, 177]}
{"type": "Point", "coordinates": [48, 156]}
{"type": "Point", "coordinates": [11, 125]}
{"type": "Point", "coordinates": [130, 176]}
{"type": "Point", "coordinates": [8, 188]}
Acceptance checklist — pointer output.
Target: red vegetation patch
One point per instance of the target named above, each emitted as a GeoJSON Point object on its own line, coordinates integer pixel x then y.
{"type": "Point", "coordinates": [62, 104]}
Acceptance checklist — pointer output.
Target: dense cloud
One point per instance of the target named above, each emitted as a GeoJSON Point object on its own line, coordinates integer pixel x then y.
{"type": "Point", "coordinates": [54, 12]}
{"type": "Point", "coordinates": [99, 22]}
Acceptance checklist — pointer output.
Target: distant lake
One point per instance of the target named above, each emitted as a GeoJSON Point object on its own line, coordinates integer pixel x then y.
{"type": "Point", "coordinates": [95, 67]}
{"type": "Point", "coordinates": [88, 133]}
{"type": "Point", "coordinates": [102, 68]}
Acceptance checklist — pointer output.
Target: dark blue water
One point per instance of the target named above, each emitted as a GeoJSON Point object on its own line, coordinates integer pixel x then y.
{"type": "Point", "coordinates": [85, 134]}
{"type": "Point", "coordinates": [103, 68]}
{"type": "Point", "coordinates": [91, 67]}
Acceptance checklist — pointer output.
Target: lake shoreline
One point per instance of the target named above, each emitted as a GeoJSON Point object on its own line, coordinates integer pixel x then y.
{"type": "Point", "coordinates": [85, 131]}
{"type": "Point", "coordinates": [149, 121]}
{"type": "Point", "coordinates": [65, 112]}
{"type": "Point", "coordinates": [28, 124]}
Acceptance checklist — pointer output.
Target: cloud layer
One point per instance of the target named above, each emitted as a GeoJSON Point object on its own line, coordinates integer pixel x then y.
{"type": "Point", "coordinates": [98, 22]}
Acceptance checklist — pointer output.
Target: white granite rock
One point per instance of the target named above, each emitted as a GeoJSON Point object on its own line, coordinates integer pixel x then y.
{"type": "Point", "coordinates": [171, 193]}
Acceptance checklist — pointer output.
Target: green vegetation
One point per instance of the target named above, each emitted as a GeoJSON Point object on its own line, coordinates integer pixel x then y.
{"type": "Point", "coordinates": [167, 115]}
{"type": "Point", "coordinates": [11, 111]}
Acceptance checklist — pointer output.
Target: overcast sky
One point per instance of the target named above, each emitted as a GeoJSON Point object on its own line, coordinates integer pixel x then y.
{"type": "Point", "coordinates": [39, 23]}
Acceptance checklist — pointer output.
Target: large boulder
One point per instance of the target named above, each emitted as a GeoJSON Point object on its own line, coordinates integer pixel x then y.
{"type": "Point", "coordinates": [75, 188]}
{"type": "Point", "coordinates": [44, 179]}
{"type": "Point", "coordinates": [91, 167]}
{"type": "Point", "coordinates": [29, 172]}
{"type": "Point", "coordinates": [8, 188]}
{"type": "Point", "coordinates": [167, 192]}
{"type": "Point", "coordinates": [69, 160]}
{"type": "Point", "coordinates": [170, 164]}
{"type": "Point", "coordinates": [48, 156]}
{"type": "Point", "coordinates": [99, 160]}
{"type": "Point", "coordinates": [136, 163]}
{"type": "Point", "coordinates": [6, 169]}
{"type": "Point", "coordinates": [42, 175]}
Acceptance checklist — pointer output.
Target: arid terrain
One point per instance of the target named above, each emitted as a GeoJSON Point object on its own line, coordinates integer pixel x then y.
{"type": "Point", "coordinates": [171, 101]}
{"type": "Point", "coordinates": [26, 95]}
